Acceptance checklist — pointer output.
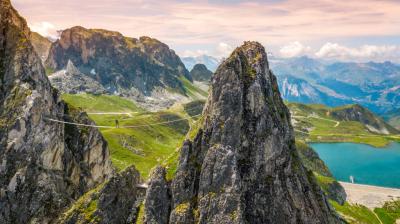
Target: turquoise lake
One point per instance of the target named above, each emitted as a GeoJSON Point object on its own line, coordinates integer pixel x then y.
{"type": "Point", "coordinates": [368, 165]}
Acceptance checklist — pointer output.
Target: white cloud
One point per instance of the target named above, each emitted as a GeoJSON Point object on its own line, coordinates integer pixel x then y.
{"type": "Point", "coordinates": [195, 53]}
{"type": "Point", "coordinates": [45, 29]}
{"type": "Point", "coordinates": [363, 53]}
{"type": "Point", "coordinates": [294, 49]}
{"type": "Point", "coordinates": [223, 50]}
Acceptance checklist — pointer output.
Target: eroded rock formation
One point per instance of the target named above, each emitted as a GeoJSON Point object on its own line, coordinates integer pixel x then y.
{"type": "Point", "coordinates": [44, 165]}
{"type": "Point", "coordinates": [242, 166]}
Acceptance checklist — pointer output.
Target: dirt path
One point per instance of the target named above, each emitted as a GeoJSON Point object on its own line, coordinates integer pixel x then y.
{"type": "Point", "coordinates": [320, 118]}
{"type": "Point", "coordinates": [114, 113]}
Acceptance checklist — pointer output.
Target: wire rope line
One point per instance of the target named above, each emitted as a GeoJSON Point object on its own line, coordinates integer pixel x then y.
{"type": "Point", "coordinates": [129, 126]}
{"type": "Point", "coordinates": [76, 124]}
{"type": "Point", "coordinates": [126, 113]}
{"type": "Point", "coordinates": [165, 122]}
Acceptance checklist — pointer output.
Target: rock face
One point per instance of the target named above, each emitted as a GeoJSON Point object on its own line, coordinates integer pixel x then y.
{"type": "Point", "coordinates": [364, 116]}
{"type": "Point", "coordinates": [242, 166]}
{"type": "Point", "coordinates": [71, 80]}
{"type": "Point", "coordinates": [124, 65]}
{"type": "Point", "coordinates": [201, 73]}
{"type": "Point", "coordinates": [116, 202]}
{"type": "Point", "coordinates": [41, 45]}
{"type": "Point", "coordinates": [44, 165]}
{"type": "Point", "coordinates": [158, 196]}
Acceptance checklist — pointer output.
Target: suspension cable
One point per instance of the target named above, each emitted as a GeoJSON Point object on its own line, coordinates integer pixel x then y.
{"type": "Point", "coordinates": [129, 126]}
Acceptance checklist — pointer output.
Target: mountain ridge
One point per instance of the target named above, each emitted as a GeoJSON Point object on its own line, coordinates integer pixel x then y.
{"type": "Point", "coordinates": [134, 68]}
{"type": "Point", "coordinates": [373, 85]}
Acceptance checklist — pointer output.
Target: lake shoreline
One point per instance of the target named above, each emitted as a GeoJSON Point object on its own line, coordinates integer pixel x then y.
{"type": "Point", "coordinates": [369, 195]}
{"type": "Point", "coordinates": [368, 165]}
{"type": "Point", "coordinates": [354, 142]}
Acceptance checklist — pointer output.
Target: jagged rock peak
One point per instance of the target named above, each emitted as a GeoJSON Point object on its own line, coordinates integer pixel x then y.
{"type": "Point", "coordinates": [44, 165]}
{"type": "Point", "coordinates": [71, 69]}
{"type": "Point", "coordinates": [243, 166]}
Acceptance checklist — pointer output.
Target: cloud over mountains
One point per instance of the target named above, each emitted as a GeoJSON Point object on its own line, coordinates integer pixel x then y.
{"type": "Point", "coordinates": [198, 25]}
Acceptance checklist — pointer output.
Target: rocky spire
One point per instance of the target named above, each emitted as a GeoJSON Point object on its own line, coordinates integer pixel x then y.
{"type": "Point", "coordinates": [43, 165]}
{"type": "Point", "coordinates": [242, 166]}
{"type": "Point", "coordinates": [71, 69]}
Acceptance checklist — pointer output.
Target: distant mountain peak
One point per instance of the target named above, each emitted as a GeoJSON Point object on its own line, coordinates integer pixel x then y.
{"type": "Point", "coordinates": [210, 62]}
{"type": "Point", "coordinates": [201, 73]}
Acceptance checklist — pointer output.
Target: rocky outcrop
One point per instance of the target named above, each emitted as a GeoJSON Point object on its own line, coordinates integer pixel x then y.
{"type": "Point", "coordinates": [40, 44]}
{"type": "Point", "coordinates": [158, 198]}
{"type": "Point", "coordinates": [201, 73]}
{"type": "Point", "coordinates": [71, 80]}
{"type": "Point", "coordinates": [44, 165]}
{"type": "Point", "coordinates": [358, 113]}
{"type": "Point", "coordinates": [127, 66]}
{"type": "Point", "coordinates": [242, 166]}
{"type": "Point", "coordinates": [116, 201]}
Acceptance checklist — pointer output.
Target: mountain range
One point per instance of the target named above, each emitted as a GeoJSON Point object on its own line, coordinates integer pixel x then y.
{"type": "Point", "coordinates": [144, 70]}
{"type": "Point", "coordinates": [373, 85]}
{"type": "Point", "coordinates": [210, 62]}
{"type": "Point", "coordinates": [303, 79]}
{"type": "Point", "coordinates": [309, 80]}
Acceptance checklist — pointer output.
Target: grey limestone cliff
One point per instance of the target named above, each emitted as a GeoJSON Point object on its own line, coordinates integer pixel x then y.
{"type": "Point", "coordinates": [243, 166]}
{"type": "Point", "coordinates": [44, 165]}
{"type": "Point", "coordinates": [115, 201]}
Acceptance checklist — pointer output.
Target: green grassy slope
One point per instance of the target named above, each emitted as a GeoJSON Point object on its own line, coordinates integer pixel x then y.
{"type": "Point", "coordinates": [358, 214]}
{"type": "Point", "coordinates": [314, 123]}
{"type": "Point", "coordinates": [144, 145]}
{"type": "Point", "coordinates": [101, 103]}
{"type": "Point", "coordinates": [193, 91]}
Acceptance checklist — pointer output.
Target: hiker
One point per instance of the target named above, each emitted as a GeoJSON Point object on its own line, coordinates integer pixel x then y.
{"type": "Point", "coordinates": [116, 123]}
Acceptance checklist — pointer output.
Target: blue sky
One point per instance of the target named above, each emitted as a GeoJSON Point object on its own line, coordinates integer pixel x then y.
{"type": "Point", "coordinates": [359, 30]}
